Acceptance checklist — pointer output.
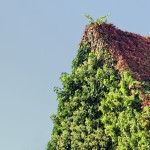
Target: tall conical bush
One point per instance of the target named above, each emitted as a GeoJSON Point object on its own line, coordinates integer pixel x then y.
{"type": "Point", "coordinates": [104, 102]}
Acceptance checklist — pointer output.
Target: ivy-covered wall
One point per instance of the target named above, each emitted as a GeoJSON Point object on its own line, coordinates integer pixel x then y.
{"type": "Point", "coordinates": [100, 107]}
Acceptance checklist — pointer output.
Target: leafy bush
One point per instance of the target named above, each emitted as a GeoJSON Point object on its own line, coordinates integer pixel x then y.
{"type": "Point", "coordinates": [99, 108]}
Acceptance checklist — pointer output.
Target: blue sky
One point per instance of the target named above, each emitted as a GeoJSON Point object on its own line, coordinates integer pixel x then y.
{"type": "Point", "coordinates": [38, 41]}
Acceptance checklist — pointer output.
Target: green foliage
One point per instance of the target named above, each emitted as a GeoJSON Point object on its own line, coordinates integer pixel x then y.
{"type": "Point", "coordinates": [122, 116]}
{"type": "Point", "coordinates": [90, 19]}
{"type": "Point", "coordinates": [98, 109]}
{"type": "Point", "coordinates": [99, 20]}
{"type": "Point", "coordinates": [102, 19]}
{"type": "Point", "coordinates": [82, 55]}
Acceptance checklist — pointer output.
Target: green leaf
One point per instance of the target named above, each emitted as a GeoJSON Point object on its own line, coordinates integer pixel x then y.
{"type": "Point", "coordinates": [90, 19]}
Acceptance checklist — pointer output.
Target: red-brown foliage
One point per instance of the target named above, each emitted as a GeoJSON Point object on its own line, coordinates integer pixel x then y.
{"type": "Point", "coordinates": [130, 51]}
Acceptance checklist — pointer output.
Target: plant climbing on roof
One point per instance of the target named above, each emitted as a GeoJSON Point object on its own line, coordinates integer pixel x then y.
{"type": "Point", "coordinates": [104, 103]}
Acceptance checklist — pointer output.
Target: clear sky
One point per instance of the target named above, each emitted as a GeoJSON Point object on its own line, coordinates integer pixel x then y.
{"type": "Point", "coordinates": [38, 41]}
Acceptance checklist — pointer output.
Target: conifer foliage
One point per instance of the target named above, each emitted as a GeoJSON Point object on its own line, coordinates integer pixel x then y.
{"type": "Point", "coordinates": [101, 106]}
